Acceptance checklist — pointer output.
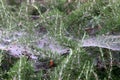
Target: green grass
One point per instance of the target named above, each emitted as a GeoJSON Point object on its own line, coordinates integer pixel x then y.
{"type": "Point", "coordinates": [78, 65]}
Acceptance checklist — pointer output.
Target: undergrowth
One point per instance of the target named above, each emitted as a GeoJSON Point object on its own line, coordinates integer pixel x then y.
{"type": "Point", "coordinates": [61, 19]}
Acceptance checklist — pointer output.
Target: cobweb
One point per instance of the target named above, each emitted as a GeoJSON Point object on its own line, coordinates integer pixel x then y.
{"type": "Point", "coordinates": [110, 42]}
